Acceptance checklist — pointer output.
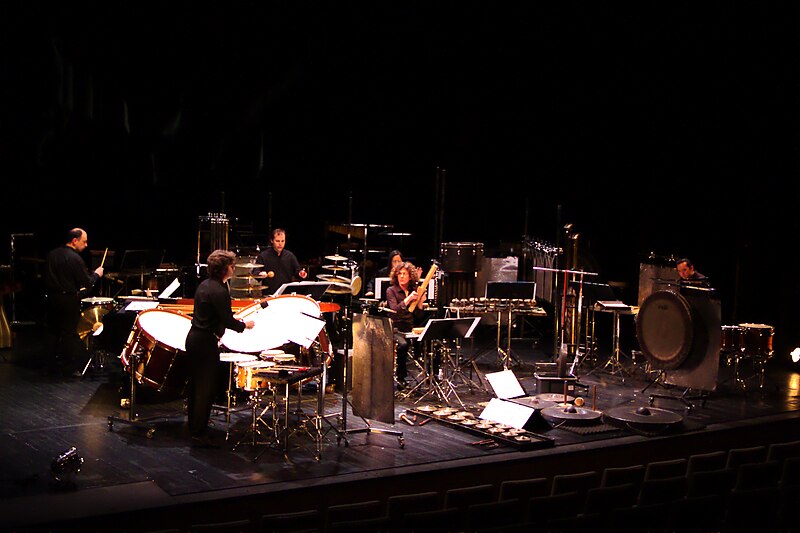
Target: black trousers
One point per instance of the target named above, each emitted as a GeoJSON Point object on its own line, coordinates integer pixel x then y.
{"type": "Point", "coordinates": [202, 351]}
{"type": "Point", "coordinates": [401, 346]}
{"type": "Point", "coordinates": [63, 311]}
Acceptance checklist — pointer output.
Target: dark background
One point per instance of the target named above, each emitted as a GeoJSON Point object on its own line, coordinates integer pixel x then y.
{"type": "Point", "coordinates": [657, 128]}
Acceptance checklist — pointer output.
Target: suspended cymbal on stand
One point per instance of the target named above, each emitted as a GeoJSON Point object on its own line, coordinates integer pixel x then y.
{"type": "Point", "coordinates": [336, 257]}
{"type": "Point", "coordinates": [334, 278]}
{"type": "Point", "coordinates": [334, 267]}
{"type": "Point", "coordinates": [248, 265]}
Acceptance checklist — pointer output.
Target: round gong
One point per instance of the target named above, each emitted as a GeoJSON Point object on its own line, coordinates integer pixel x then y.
{"type": "Point", "coordinates": [570, 415]}
{"type": "Point", "coordinates": [646, 418]}
{"type": "Point", "coordinates": [664, 329]}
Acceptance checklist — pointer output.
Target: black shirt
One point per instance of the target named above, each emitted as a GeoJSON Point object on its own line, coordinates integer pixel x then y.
{"type": "Point", "coordinates": [212, 308]}
{"type": "Point", "coordinates": [403, 320]}
{"type": "Point", "coordinates": [285, 266]}
{"type": "Point", "coordinates": [66, 272]}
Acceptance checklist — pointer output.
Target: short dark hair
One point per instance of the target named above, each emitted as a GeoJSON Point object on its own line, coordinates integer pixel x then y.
{"type": "Point", "coordinates": [684, 260]}
{"type": "Point", "coordinates": [276, 231]}
{"type": "Point", "coordinates": [74, 233]}
{"type": "Point", "coordinates": [218, 263]}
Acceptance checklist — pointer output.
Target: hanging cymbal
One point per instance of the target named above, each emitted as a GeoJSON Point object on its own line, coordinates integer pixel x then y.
{"type": "Point", "coordinates": [249, 288]}
{"type": "Point", "coordinates": [339, 288]}
{"type": "Point", "coordinates": [249, 265]}
{"type": "Point", "coordinates": [246, 276]}
{"type": "Point", "coordinates": [334, 267]}
{"type": "Point", "coordinates": [336, 257]}
{"type": "Point", "coordinates": [333, 278]}
{"type": "Point", "coordinates": [91, 319]}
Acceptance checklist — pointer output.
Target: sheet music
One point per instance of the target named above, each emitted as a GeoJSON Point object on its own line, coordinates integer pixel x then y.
{"type": "Point", "coordinates": [141, 305]}
{"type": "Point", "coordinates": [172, 287]}
{"type": "Point", "coordinates": [505, 384]}
{"type": "Point", "coordinates": [612, 304]}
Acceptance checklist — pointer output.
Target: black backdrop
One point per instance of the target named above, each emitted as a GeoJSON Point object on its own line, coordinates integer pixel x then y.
{"type": "Point", "coordinates": [660, 128]}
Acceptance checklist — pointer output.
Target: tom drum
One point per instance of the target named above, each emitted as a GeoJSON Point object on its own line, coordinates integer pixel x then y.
{"type": "Point", "coordinates": [731, 339]}
{"type": "Point", "coordinates": [756, 340]}
{"type": "Point", "coordinates": [462, 256]}
{"type": "Point", "coordinates": [249, 375]}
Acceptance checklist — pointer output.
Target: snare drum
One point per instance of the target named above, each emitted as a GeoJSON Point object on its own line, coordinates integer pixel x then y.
{"type": "Point", "coordinates": [98, 301]}
{"type": "Point", "coordinates": [756, 340]}
{"type": "Point", "coordinates": [249, 375]}
{"type": "Point", "coordinates": [158, 339]}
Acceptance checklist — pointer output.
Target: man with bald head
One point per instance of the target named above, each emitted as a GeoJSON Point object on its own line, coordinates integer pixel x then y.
{"type": "Point", "coordinates": [66, 281]}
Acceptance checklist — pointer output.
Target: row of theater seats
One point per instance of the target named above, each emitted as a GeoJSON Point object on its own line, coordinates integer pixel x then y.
{"type": "Point", "coordinates": [739, 489]}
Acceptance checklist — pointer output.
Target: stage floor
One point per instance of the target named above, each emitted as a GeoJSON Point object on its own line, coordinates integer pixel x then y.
{"type": "Point", "coordinates": [124, 468]}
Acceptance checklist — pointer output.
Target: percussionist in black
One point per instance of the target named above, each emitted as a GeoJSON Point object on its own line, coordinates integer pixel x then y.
{"type": "Point", "coordinates": [66, 281]}
{"type": "Point", "coordinates": [212, 315]}
{"type": "Point", "coordinates": [280, 265]}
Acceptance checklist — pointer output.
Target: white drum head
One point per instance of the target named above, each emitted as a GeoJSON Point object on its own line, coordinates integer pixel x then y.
{"type": "Point", "coordinates": [255, 364]}
{"type": "Point", "coordinates": [236, 357]}
{"type": "Point", "coordinates": [286, 318]}
{"type": "Point", "coordinates": [166, 327]}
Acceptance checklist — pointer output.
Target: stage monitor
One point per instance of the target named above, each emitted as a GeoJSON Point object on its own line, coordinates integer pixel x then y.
{"type": "Point", "coordinates": [513, 290]}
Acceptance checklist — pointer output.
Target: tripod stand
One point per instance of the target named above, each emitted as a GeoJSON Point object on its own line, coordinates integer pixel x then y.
{"type": "Point", "coordinates": [444, 329]}
{"type": "Point", "coordinates": [378, 330]}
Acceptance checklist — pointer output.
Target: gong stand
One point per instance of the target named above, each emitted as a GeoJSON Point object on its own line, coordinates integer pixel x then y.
{"type": "Point", "coordinates": [341, 429]}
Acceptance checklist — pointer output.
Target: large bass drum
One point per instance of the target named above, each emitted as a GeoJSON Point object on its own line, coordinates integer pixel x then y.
{"type": "Point", "coordinates": [665, 328]}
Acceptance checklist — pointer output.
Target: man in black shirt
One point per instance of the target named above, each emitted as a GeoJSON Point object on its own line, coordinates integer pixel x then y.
{"type": "Point", "coordinates": [66, 281]}
{"type": "Point", "coordinates": [280, 265]}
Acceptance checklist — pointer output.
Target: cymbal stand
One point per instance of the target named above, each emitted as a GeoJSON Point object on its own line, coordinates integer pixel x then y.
{"type": "Point", "coordinates": [448, 384]}
{"type": "Point", "coordinates": [457, 369]}
{"type": "Point", "coordinates": [430, 381]}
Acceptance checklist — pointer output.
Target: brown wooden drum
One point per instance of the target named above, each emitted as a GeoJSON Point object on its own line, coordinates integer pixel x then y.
{"type": "Point", "coordinates": [731, 339]}
{"type": "Point", "coordinates": [158, 340]}
{"type": "Point", "coordinates": [249, 375]}
{"type": "Point", "coordinates": [756, 340]}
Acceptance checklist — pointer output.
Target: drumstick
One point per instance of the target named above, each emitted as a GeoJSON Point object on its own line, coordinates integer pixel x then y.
{"type": "Point", "coordinates": [104, 258]}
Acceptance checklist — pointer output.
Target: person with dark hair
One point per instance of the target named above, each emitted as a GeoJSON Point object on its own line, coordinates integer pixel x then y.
{"type": "Point", "coordinates": [399, 297]}
{"type": "Point", "coordinates": [689, 276]}
{"type": "Point", "coordinates": [211, 316]}
{"type": "Point", "coordinates": [280, 265]}
{"type": "Point", "coordinates": [395, 258]}
{"type": "Point", "coordinates": [66, 281]}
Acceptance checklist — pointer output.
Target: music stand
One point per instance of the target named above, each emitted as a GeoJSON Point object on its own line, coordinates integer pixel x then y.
{"type": "Point", "coordinates": [444, 329]}
{"type": "Point", "coordinates": [313, 289]}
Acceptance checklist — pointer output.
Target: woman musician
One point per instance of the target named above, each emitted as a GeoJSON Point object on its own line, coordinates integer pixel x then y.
{"type": "Point", "coordinates": [407, 302]}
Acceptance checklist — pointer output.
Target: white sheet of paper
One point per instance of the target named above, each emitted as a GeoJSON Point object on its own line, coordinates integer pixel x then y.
{"type": "Point", "coordinates": [508, 413]}
{"type": "Point", "coordinates": [505, 384]}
